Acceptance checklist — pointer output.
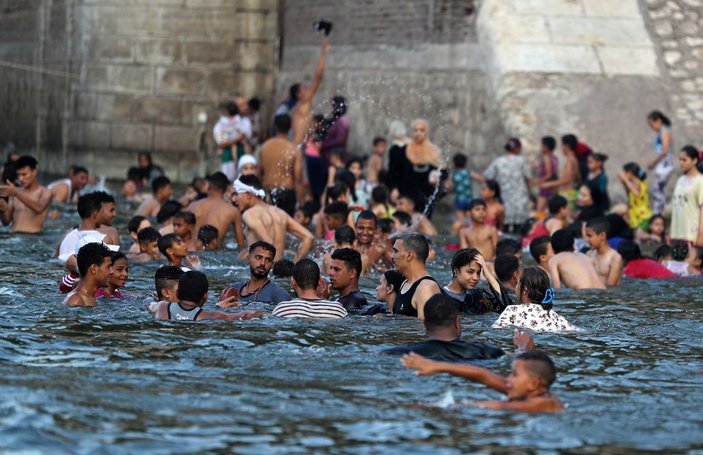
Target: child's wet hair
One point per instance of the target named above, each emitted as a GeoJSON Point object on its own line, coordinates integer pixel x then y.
{"type": "Point", "coordinates": [535, 282]}
{"type": "Point", "coordinates": [662, 252]}
{"type": "Point", "coordinates": [91, 254]}
{"type": "Point", "coordinates": [540, 365]}
{"type": "Point", "coordinates": [165, 242]}
{"type": "Point", "coordinates": [508, 247]}
{"type": "Point", "coordinates": [495, 187]}
{"type": "Point", "coordinates": [169, 209]}
{"type": "Point", "coordinates": [600, 224]}
{"type": "Point", "coordinates": [556, 203]}
{"type": "Point", "coordinates": [283, 268]}
{"type": "Point", "coordinates": [207, 233]}
{"type": "Point", "coordinates": [166, 277]}
{"type": "Point", "coordinates": [186, 216]}
{"type": "Point", "coordinates": [679, 250]}
{"type": "Point", "coordinates": [475, 203]}
{"type": "Point", "coordinates": [148, 235]}
{"type": "Point", "coordinates": [463, 258]}
{"type": "Point", "coordinates": [192, 287]}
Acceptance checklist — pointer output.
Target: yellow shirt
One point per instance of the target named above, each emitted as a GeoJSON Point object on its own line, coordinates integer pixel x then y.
{"type": "Point", "coordinates": [639, 210]}
{"type": "Point", "coordinates": [686, 208]}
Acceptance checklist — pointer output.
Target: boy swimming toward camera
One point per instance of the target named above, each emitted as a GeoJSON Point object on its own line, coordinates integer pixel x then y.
{"type": "Point", "coordinates": [527, 385]}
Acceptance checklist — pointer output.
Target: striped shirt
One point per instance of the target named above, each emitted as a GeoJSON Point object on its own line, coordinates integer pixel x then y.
{"type": "Point", "coordinates": [310, 308]}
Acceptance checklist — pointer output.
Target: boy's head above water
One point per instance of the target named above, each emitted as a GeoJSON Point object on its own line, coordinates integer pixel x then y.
{"type": "Point", "coordinates": [172, 246]}
{"type": "Point", "coordinates": [477, 209]}
{"type": "Point", "coordinates": [597, 231]}
{"type": "Point", "coordinates": [193, 287]}
{"type": "Point", "coordinates": [532, 374]}
{"type": "Point", "coordinates": [95, 259]}
{"type": "Point", "coordinates": [166, 282]}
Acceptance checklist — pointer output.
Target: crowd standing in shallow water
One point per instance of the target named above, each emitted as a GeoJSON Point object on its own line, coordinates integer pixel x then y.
{"type": "Point", "coordinates": [368, 218]}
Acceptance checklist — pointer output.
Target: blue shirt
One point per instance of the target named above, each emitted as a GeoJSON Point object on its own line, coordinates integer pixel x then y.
{"type": "Point", "coordinates": [269, 293]}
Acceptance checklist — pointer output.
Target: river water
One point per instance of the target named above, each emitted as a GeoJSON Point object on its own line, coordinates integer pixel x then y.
{"type": "Point", "coordinates": [113, 380]}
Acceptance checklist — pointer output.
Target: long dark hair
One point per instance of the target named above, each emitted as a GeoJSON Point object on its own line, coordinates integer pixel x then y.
{"type": "Point", "coordinates": [694, 154]}
{"type": "Point", "coordinates": [657, 115]}
{"type": "Point", "coordinates": [535, 282]}
{"type": "Point", "coordinates": [635, 170]}
{"type": "Point", "coordinates": [495, 187]}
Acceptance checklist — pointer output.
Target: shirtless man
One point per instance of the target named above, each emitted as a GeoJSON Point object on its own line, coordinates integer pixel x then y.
{"type": "Point", "coordinates": [420, 222]}
{"type": "Point", "coordinates": [282, 168]}
{"type": "Point", "coordinates": [479, 235]}
{"type": "Point", "coordinates": [265, 222]}
{"type": "Point", "coordinates": [608, 262]}
{"type": "Point", "coordinates": [95, 267]}
{"type": "Point", "coordinates": [302, 113]}
{"type": "Point", "coordinates": [67, 190]}
{"type": "Point", "coordinates": [367, 243]}
{"type": "Point", "coordinates": [25, 208]}
{"type": "Point", "coordinates": [162, 190]}
{"type": "Point", "coordinates": [217, 212]}
{"type": "Point", "coordinates": [575, 270]}
{"type": "Point", "coordinates": [410, 251]}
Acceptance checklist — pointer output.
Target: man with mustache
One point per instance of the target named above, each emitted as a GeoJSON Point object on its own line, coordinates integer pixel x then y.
{"type": "Point", "coordinates": [258, 288]}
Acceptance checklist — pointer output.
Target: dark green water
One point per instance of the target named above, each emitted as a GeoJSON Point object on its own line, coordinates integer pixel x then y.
{"type": "Point", "coordinates": [111, 379]}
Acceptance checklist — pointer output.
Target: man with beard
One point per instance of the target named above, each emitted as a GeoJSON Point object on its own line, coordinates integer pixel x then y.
{"type": "Point", "coordinates": [258, 288]}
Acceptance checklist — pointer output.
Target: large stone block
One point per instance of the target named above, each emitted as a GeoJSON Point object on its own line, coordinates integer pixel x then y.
{"type": "Point", "coordinates": [599, 31]}
{"type": "Point", "coordinates": [256, 24]}
{"type": "Point", "coordinates": [513, 28]}
{"type": "Point", "coordinates": [223, 83]}
{"type": "Point", "coordinates": [252, 55]}
{"type": "Point", "coordinates": [158, 51]}
{"type": "Point", "coordinates": [180, 81]}
{"type": "Point", "coordinates": [114, 48]}
{"type": "Point", "coordinates": [548, 7]}
{"type": "Point", "coordinates": [151, 109]}
{"type": "Point", "coordinates": [120, 20]}
{"type": "Point", "coordinates": [545, 58]}
{"type": "Point", "coordinates": [628, 61]}
{"type": "Point", "coordinates": [185, 23]}
{"type": "Point", "coordinates": [92, 106]}
{"type": "Point", "coordinates": [92, 135]}
{"type": "Point", "coordinates": [610, 8]}
{"type": "Point", "coordinates": [131, 136]}
{"type": "Point", "coordinates": [211, 52]}
{"type": "Point", "coordinates": [175, 139]}
{"type": "Point", "coordinates": [130, 78]}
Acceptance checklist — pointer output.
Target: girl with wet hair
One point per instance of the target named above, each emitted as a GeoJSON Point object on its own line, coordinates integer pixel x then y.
{"type": "Point", "coordinates": [535, 310]}
{"type": "Point", "coordinates": [467, 266]}
{"type": "Point", "coordinates": [663, 162]}
{"type": "Point", "coordinates": [118, 278]}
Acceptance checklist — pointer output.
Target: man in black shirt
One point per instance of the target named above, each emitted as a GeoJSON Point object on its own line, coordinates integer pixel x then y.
{"type": "Point", "coordinates": [344, 277]}
{"type": "Point", "coordinates": [443, 325]}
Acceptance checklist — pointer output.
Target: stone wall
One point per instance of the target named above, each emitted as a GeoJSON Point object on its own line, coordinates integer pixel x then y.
{"type": "Point", "coordinates": [140, 74]}
{"type": "Point", "coordinates": [398, 60]}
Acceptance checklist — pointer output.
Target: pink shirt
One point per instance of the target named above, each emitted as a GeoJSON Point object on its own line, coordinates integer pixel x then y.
{"type": "Point", "coordinates": [103, 293]}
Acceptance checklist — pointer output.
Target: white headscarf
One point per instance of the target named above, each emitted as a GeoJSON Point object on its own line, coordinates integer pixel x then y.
{"type": "Point", "coordinates": [240, 187]}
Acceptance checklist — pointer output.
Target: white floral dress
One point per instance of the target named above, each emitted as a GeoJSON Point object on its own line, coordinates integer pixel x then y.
{"type": "Point", "coordinates": [532, 316]}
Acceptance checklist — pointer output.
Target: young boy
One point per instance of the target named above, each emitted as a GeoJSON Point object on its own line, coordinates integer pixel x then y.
{"type": "Point", "coordinates": [336, 215]}
{"type": "Point", "coordinates": [175, 251]}
{"type": "Point", "coordinates": [507, 268]}
{"type": "Point", "coordinates": [558, 214]}
{"type": "Point", "coordinates": [479, 235]}
{"type": "Point", "coordinates": [527, 386]}
{"type": "Point", "coordinates": [575, 270]}
{"type": "Point", "coordinates": [184, 227]}
{"type": "Point", "coordinates": [419, 222]}
{"type": "Point", "coordinates": [147, 239]}
{"type": "Point", "coordinates": [246, 165]}
{"type": "Point", "coordinates": [162, 190]}
{"type": "Point", "coordinates": [305, 213]}
{"type": "Point", "coordinates": [136, 224]}
{"type": "Point", "coordinates": [192, 295]}
{"type": "Point", "coordinates": [401, 221]}
{"type": "Point", "coordinates": [208, 236]}
{"type": "Point", "coordinates": [542, 251]}
{"type": "Point", "coordinates": [166, 285]}
{"type": "Point", "coordinates": [95, 267]}
{"type": "Point", "coordinates": [607, 261]}
{"type": "Point", "coordinates": [375, 163]}
{"type": "Point", "coordinates": [344, 237]}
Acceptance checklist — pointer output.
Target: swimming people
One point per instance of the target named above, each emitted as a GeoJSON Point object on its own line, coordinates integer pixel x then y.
{"type": "Point", "coordinates": [467, 265]}
{"type": "Point", "coordinates": [443, 325]}
{"type": "Point", "coordinates": [214, 210]}
{"type": "Point", "coordinates": [527, 386]}
{"type": "Point", "coordinates": [410, 251]}
{"type": "Point", "coordinates": [388, 286]}
{"type": "Point", "coordinates": [162, 191]}
{"type": "Point", "coordinates": [148, 241]}
{"type": "Point", "coordinates": [266, 222]}
{"type": "Point", "coordinates": [344, 237]}
{"type": "Point", "coordinates": [192, 295]}
{"type": "Point", "coordinates": [607, 261]}
{"type": "Point", "coordinates": [536, 299]}
{"type": "Point", "coordinates": [95, 267]}
{"type": "Point", "coordinates": [310, 289]}
{"type": "Point", "coordinates": [345, 270]}
{"type": "Point", "coordinates": [175, 251]}
{"type": "Point", "coordinates": [25, 208]}
{"type": "Point", "coordinates": [479, 235]}
{"type": "Point", "coordinates": [68, 189]}
{"type": "Point", "coordinates": [118, 278]}
{"type": "Point", "coordinates": [184, 227]}
{"type": "Point", "coordinates": [258, 288]}
{"type": "Point", "coordinates": [574, 270]}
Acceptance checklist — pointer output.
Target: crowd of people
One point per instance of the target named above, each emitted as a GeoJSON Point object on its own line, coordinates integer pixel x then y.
{"type": "Point", "coordinates": [375, 216]}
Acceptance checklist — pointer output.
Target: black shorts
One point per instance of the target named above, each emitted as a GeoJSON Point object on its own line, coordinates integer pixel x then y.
{"type": "Point", "coordinates": [284, 199]}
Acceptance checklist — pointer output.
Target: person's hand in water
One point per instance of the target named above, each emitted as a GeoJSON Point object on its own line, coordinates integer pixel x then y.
{"type": "Point", "coordinates": [229, 298]}
{"type": "Point", "coordinates": [424, 366]}
{"type": "Point", "coordinates": [246, 315]}
{"type": "Point", "coordinates": [523, 341]}
{"type": "Point", "coordinates": [194, 263]}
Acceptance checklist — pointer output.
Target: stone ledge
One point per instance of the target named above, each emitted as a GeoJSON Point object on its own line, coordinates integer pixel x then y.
{"type": "Point", "coordinates": [546, 58]}
{"type": "Point", "coordinates": [628, 61]}
{"type": "Point", "coordinates": [599, 31]}
{"type": "Point", "coordinates": [612, 8]}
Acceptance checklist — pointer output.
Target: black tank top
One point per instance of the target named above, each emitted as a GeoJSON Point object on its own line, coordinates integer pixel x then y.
{"type": "Point", "coordinates": [403, 303]}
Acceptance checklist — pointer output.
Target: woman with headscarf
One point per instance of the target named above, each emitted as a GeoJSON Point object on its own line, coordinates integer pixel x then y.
{"type": "Point", "coordinates": [413, 170]}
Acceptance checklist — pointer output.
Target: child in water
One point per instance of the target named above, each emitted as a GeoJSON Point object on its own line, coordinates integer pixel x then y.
{"type": "Point", "coordinates": [633, 179]}
{"type": "Point", "coordinates": [118, 278]}
{"type": "Point", "coordinates": [490, 192]}
{"type": "Point", "coordinates": [176, 251]}
{"type": "Point", "coordinates": [527, 386]}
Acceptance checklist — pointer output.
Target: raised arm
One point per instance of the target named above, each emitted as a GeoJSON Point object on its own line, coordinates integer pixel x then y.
{"type": "Point", "coordinates": [303, 235]}
{"type": "Point", "coordinates": [35, 205]}
{"type": "Point", "coordinates": [320, 70]}
{"type": "Point", "coordinates": [427, 367]}
{"type": "Point", "coordinates": [490, 277]}
{"type": "Point", "coordinates": [629, 184]}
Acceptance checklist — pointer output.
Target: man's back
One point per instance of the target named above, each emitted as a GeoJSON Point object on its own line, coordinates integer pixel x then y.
{"type": "Point", "coordinates": [449, 351]}
{"type": "Point", "coordinates": [574, 270]}
{"type": "Point", "coordinates": [273, 220]}
{"type": "Point", "coordinates": [277, 163]}
{"type": "Point", "coordinates": [215, 211]}
{"type": "Point", "coordinates": [310, 309]}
